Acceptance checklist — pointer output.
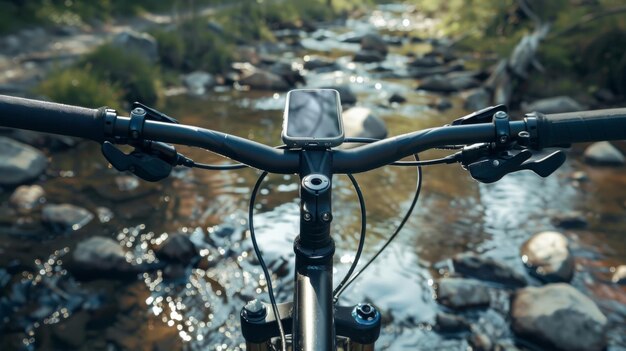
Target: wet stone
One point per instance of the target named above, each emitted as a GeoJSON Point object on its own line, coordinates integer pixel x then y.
{"type": "Point", "coordinates": [442, 104]}
{"type": "Point", "coordinates": [100, 257]}
{"type": "Point", "coordinates": [143, 44]}
{"type": "Point", "coordinates": [263, 80]}
{"type": "Point", "coordinates": [558, 104]}
{"type": "Point", "coordinates": [374, 42]}
{"type": "Point", "coordinates": [346, 94]}
{"type": "Point", "coordinates": [579, 176]}
{"type": "Point", "coordinates": [604, 153]}
{"type": "Point", "coordinates": [65, 217]}
{"type": "Point", "coordinates": [19, 163]}
{"type": "Point", "coordinates": [448, 84]}
{"type": "Point", "coordinates": [570, 220]}
{"type": "Point", "coordinates": [547, 257]}
{"type": "Point", "coordinates": [397, 98]}
{"type": "Point", "coordinates": [560, 317]}
{"type": "Point", "coordinates": [26, 198]}
{"type": "Point", "coordinates": [619, 275]}
{"type": "Point", "coordinates": [320, 64]}
{"type": "Point", "coordinates": [460, 293]}
{"type": "Point", "coordinates": [125, 188]}
{"type": "Point", "coordinates": [177, 248]}
{"type": "Point", "coordinates": [198, 82]}
{"type": "Point", "coordinates": [449, 323]}
{"type": "Point", "coordinates": [480, 342]}
{"type": "Point", "coordinates": [489, 269]}
{"type": "Point", "coordinates": [426, 61]}
{"type": "Point", "coordinates": [359, 122]}
{"type": "Point", "coordinates": [368, 56]}
{"type": "Point", "coordinates": [476, 99]}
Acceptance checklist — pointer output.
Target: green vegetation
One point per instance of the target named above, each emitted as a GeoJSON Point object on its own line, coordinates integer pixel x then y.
{"type": "Point", "coordinates": [138, 78]}
{"type": "Point", "coordinates": [80, 87]}
{"type": "Point", "coordinates": [194, 46]}
{"type": "Point", "coordinates": [107, 76]}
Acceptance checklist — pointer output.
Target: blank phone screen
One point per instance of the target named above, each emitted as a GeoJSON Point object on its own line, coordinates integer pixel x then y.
{"type": "Point", "coordinates": [313, 114]}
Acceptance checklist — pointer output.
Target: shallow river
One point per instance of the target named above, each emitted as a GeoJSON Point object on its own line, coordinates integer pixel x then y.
{"type": "Point", "coordinates": [454, 214]}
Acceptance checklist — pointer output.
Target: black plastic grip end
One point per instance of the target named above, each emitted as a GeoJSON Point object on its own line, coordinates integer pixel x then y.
{"type": "Point", "coordinates": [576, 127]}
{"type": "Point", "coordinates": [50, 117]}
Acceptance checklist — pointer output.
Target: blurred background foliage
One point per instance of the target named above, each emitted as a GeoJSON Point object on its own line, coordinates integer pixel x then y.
{"type": "Point", "coordinates": [584, 50]}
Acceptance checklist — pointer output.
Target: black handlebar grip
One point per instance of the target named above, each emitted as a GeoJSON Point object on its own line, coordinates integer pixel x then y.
{"type": "Point", "coordinates": [575, 127]}
{"type": "Point", "coordinates": [49, 117]}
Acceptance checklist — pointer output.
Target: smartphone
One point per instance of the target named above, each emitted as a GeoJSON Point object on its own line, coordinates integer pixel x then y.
{"type": "Point", "coordinates": [312, 119]}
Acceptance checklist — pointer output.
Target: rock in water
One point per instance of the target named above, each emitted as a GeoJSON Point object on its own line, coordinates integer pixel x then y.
{"type": "Point", "coordinates": [476, 99]}
{"type": "Point", "coordinates": [198, 82]}
{"type": "Point", "coordinates": [26, 198]}
{"type": "Point", "coordinates": [177, 248]}
{"type": "Point", "coordinates": [65, 217]}
{"type": "Point", "coordinates": [346, 95]}
{"type": "Point", "coordinates": [559, 104]}
{"type": "Point", "coordinates": [459, 293]}
{"type": "Point", "coordinates": [100, 257]}
{"type": "Point", "coordinates": [449, 323]}
{"type": "Point", "coordinates": [570, 220]}
{"type": "Point", "coordinates": [374, 42]}
{"type": "Point", "coordinates": [449, 83]}
{"type": "Point", "coordinates": [488, 269]}
{"type": "Point", "coordinates": [359, 122]}
{"type": "Point", "coordinates": [619, 276]}
{"type": "Point", "coordinates": [559, 316]}
{"type": "Point", "coordinates": [547, 256]}
{"type": "Point", "coordinates": [604, 153]}
{"type": "Point", "coordinates": [143, 44]}
{"type": "Point", "coordinates": [263, 80]}
{"type": "Point", "coordinates": [19, 163]}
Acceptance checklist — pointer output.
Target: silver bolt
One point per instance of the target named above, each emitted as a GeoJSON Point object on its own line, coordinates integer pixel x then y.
{"type": "Point", "coordinates": [496, 163]}
{"type": "Point", "coordinates": [138, 111]}
{"type": "Point", "coordinates": [326, 217]}
{"type": "Point", "coordinates": [254, 306]}
{"type": "Point", "coordinates": [500, 114]}
{"type": "Point", "coordinates": [306, 216]}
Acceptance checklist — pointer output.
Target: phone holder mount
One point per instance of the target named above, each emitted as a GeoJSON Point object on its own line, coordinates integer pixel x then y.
{"type": "Point", "coordinates": [489, 162]}
{"type": "Point", "coordinates": [149, 160]}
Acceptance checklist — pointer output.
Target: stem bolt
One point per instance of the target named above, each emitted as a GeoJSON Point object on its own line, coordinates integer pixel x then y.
{"type": "Point", "coordinates": [500, 115]}
{"type": "Point", "coordinates": [366, 314]}
{"type": "Point", "coordinates": [503, 139]}
{"type": "Point", "coordinates": [327, 217]}
{"type": "Point", "coordinates": [255, 310]}
{"type": "Point", "coordinates": [307, 216]}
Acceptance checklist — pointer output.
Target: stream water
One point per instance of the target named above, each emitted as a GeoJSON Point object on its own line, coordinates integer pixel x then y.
{"type": "Point", "coordinates": [200, 311]}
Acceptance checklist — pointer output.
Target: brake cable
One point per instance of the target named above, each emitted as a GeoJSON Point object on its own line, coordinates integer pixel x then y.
{"type": "Point", "coordinates": [266, 272]}
{"type": "Point", "coordinates": [337, 293]}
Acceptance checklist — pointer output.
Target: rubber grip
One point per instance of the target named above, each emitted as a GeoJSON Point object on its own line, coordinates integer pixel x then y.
{"type": "Point", "coordinates": [575, 127]}
{"type": "Point", "coordinates": [49, 117]}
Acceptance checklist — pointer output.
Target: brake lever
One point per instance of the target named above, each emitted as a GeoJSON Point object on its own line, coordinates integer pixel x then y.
{"type": "Point", "coordinates": [492, 168]}
{"type": "Point", "coordinates": [147, 166]}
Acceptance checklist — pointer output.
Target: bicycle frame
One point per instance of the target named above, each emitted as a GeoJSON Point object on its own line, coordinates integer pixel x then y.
{"type": "Point", "coordinates": [313, 315]}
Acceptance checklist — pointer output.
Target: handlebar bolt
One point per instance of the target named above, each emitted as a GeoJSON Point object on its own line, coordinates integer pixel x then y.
{"type": "Point", "coordinates": [255, 310]}
{"type": "Point", "coordinates": [366, 314]}
{"type": "Point", "coordinates": [500, 115]}
{"type": "Point", "coordinates": [307, 216]}
{"type": "Point", "coordinates": [327, 217]}
{"type": "Point", "coordinates": [503, 139]}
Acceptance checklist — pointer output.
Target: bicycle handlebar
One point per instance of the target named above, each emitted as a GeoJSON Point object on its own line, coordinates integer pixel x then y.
{"type": "Point", "coordinates": [50, 117]}
{"type": "Point", "coordinates": [583, 126]}
{"type": "Point", "coordinates": [99, 125]}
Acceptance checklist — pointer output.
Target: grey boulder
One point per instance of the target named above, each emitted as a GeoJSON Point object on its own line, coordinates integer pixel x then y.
{"type": "Point", "coordinates": [558, 316]}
